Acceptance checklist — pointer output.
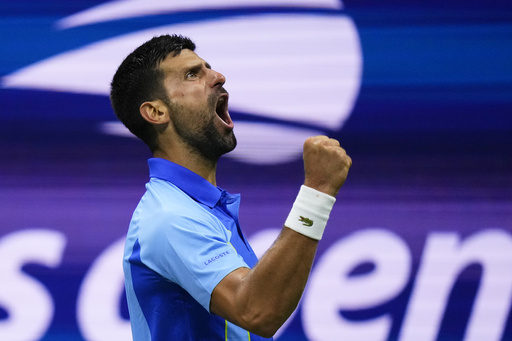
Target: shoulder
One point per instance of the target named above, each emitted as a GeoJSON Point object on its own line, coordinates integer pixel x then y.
{"type": "Point", "coordinates": [164, 193]}
{"type": "Point", "coordinates": [164, 200]}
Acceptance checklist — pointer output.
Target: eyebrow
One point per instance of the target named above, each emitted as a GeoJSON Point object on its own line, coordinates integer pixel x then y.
{"type": "Point", "coordinates": [197, 66]}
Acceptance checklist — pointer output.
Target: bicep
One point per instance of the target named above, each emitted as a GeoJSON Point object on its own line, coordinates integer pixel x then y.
{"type": "Point", "coordinates": [225, 299]}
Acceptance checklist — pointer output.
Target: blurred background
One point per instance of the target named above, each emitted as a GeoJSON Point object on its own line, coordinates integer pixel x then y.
{"type": "Point", "coordinates": [419, 245]}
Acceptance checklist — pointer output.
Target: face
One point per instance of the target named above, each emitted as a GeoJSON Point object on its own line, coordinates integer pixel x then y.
{"type": "Point", "coordinates": [198, 105]}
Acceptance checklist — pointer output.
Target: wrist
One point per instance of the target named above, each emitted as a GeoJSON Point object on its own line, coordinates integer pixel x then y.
{"type": "Point", "coordinates": [310, 212]}
{"type": "Point", "coordinates": [324, 188]}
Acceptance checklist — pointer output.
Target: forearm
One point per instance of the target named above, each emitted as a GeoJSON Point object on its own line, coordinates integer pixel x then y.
{"type": "Point", "coordinates": [278, 280]}
{"type": "Point", "coordinates": [274, 287]}
{"type": "Point", "coordinates": [261, 299]}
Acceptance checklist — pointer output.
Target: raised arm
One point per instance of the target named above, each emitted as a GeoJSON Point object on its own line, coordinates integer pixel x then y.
{"type": "Point", "coordinates": [261, 299]}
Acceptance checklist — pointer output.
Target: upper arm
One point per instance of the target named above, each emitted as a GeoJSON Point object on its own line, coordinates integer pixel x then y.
{"type": "Point", "coordinates": [234, 299]}
{"type": "Point", "coordinates": [226, 299]}
{"type": "Point", "coordinates": [224, 295]}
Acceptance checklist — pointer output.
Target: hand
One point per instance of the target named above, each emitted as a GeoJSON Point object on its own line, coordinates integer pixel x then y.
{"type": "Point", "coordinates": [326, 164]}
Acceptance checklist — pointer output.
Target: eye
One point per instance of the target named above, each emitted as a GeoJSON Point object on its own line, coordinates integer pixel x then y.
{"type": "Point", "coordinates": [191, 74]}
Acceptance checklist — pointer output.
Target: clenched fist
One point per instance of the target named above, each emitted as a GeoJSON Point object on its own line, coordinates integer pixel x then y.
{"type": "Point", "coordinates": [326, 164]}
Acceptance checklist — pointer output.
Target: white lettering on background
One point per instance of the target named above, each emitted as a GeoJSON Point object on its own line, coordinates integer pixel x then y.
{"type": "Point", "coordinates": [28, 303]}
{"type": "Point", "coordinates": [331, 289]}
{"type": "Point", "coordinates": [98, 308]}
{"type": "Point", "coordinates": [444, 257]}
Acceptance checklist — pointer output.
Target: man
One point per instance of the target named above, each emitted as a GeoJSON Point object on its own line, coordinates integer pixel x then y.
{"type": "Point", "coordinates": [189, 272]}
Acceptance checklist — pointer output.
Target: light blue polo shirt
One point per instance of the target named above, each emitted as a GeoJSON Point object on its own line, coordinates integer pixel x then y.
{"type": "Point", "coordinates": [183, 239]}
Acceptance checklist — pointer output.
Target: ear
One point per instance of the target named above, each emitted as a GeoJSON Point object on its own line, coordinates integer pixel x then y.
{"type": "Point", "coordinates": [155, 112]}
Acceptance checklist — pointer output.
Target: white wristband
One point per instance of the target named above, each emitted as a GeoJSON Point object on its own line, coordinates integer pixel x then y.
{"type": "Point", "coordinates": [310, 212]}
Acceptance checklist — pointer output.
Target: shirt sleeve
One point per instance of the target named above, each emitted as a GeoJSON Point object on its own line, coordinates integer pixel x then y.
{"type": "Point", "coordinates": [189, 246]}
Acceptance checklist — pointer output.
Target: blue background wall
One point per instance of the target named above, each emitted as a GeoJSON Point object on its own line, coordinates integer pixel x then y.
{"type": "Point", "coordinates": [419, 246]}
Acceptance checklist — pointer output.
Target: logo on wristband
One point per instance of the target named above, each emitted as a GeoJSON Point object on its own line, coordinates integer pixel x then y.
{"type": "Point", "coordinates": [306, 221]}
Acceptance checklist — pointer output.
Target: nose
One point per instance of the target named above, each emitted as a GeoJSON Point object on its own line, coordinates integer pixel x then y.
{"type": "Point", "coordinates": [218, 79]}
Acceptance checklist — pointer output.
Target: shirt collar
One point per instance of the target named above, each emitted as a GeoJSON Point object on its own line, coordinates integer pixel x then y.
{"type": "Point", "coordinates": [189, 182]}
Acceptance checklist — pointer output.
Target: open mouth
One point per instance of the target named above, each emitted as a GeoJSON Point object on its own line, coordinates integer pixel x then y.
{"type": "Point", "coordinates": [222, 109]}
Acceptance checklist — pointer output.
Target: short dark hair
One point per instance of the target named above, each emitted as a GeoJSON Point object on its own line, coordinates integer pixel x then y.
{"type": "Point", "coordinates": [139, 79]}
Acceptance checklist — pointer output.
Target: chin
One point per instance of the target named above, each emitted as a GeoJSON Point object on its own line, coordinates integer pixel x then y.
{"type": "Point", "coordinates": [233, 142]}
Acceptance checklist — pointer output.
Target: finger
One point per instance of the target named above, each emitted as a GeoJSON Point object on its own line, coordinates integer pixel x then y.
{"type": "Point", "coordinates": [349, 161]}
{"type": "Point", "coordinates": [334, 142]}
{"type": "Point", "coordinates": [325, 141]}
